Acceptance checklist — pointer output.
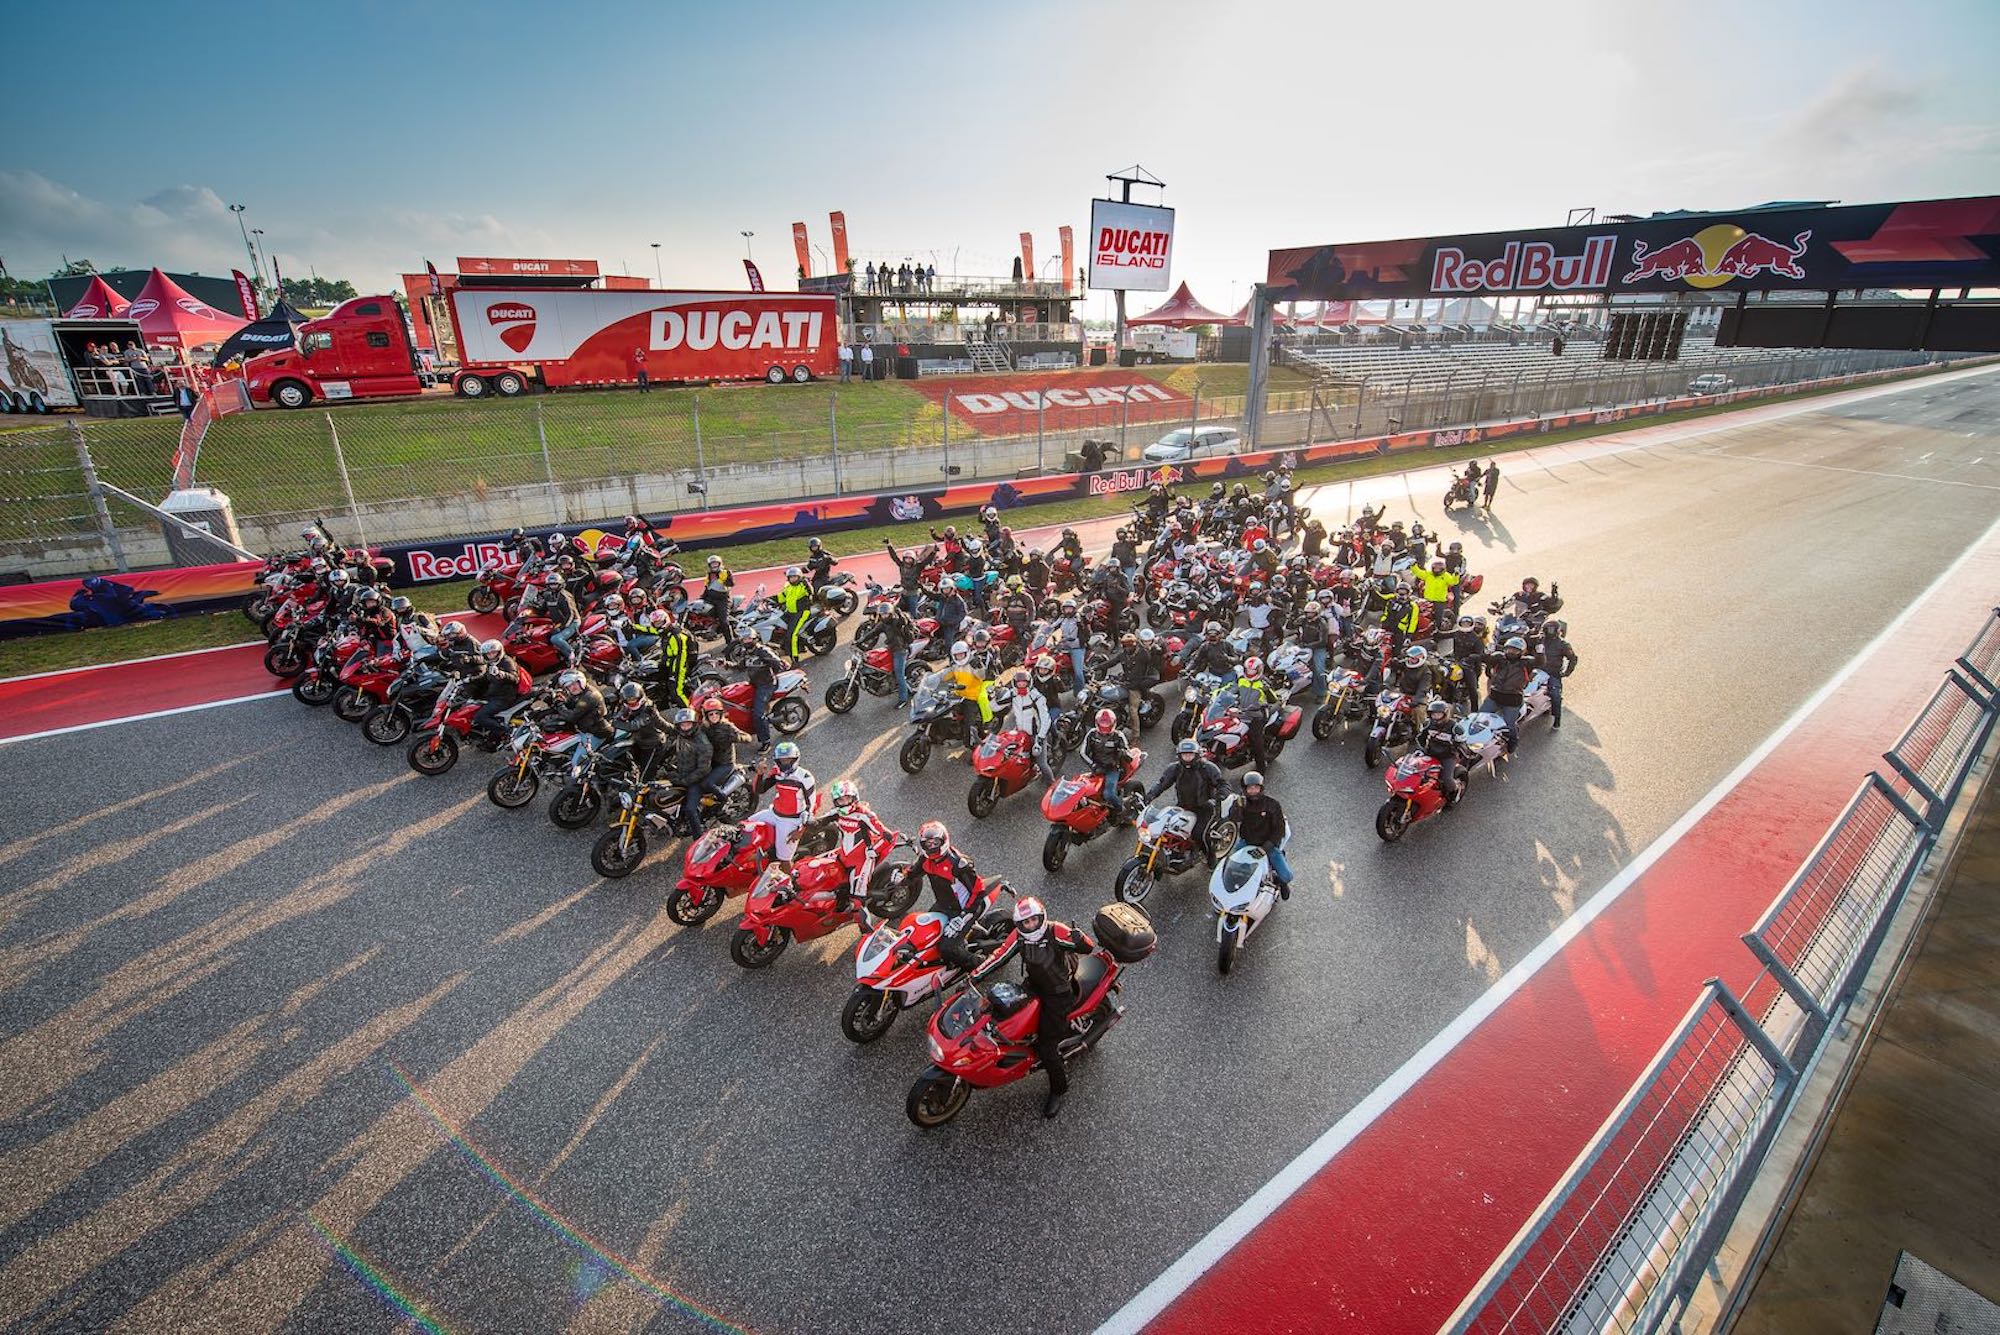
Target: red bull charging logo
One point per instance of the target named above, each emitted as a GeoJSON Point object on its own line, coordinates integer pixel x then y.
{"type": "Point", "coordinates": [1715, 255]}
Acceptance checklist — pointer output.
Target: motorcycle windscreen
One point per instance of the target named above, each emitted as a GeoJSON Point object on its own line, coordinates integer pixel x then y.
{"type": "Point", "coordinates": [1242, 872]}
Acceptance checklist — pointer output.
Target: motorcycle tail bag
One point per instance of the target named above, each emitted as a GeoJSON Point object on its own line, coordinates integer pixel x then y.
{"type": "Point", "coordinates": [1125, 932]}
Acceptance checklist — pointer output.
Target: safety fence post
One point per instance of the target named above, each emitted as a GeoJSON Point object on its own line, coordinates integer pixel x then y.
{"type": "Point", "coordinates": [700, 468]}
{"type": "Point", "coordinates": [1124, 418]}
{"type": "Point", "coordinates": [346, 485]}
{"type": "Point", "coordinates": [1041, 408]}
{"type": "Point", "coordinates": [946, 469]}
{"type": "Point", "coordinates": [833, 437]}
{"type": "Point", "coordinates": [105, 528]}
{"type": "Point", "coordinates": [556, 513]}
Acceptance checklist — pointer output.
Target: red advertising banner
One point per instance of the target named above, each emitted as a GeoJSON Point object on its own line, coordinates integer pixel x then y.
{"type": "Point", "coordinates": [839, 221]}
{"type": "Point", "coordinates": [1013, 404]}
{"type": "Point", "coordinates": [756, 279]}
{"type": "Point", "coordinates": [246, 293]}
{"type": "Point", "coordinates": [554, 268]}
{"type": "Point", "coordinates": [1028, 256]}
{"type": "Point", "coordinates": [802, 247]}
{"type": "Point", "coordinates": [1069, 255]}
{"type": "Point", "coordinates": [437, 283]}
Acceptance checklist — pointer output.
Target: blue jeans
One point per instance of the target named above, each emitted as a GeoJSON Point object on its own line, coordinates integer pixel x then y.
{"type": "Point", "coordinates": [1076, 667]}
{"type": "Point", "coordinates": [913, 601]}
{"type": "Point", "coordinates": [710, 783]}
{"type": "Point", "coordinates": [640, 645]}
{"type": "Point", "coordinates": [1510, 714]}
{"type": "Point", "coordinates": [899, 662]}
{"type": "Point", "coordinates": [1279, 865]}
{"type": "Point", "coordinates": [1319, 672]}
{"type": "Point", "coordinates": [564, 641]}
{"type": "Point", "coordinates": [760, 699]}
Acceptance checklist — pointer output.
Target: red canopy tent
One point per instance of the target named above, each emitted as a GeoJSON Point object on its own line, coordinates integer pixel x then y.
{"type": "Point", "coordinates": [98, 302]}
{"type": "Point", "coordinates": [1182, 311]}
{"type": "Point", "coordinates": [168, 315]}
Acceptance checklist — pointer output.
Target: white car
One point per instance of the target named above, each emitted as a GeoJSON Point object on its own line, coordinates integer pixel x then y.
{"type": "Point", "coordinates": [1177, 447]}
{"type": "Point", "coordinates": [1712, 383]}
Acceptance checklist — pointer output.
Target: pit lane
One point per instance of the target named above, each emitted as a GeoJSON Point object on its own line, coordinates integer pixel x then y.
{"type": "Point", "coordinates": [231, 944]}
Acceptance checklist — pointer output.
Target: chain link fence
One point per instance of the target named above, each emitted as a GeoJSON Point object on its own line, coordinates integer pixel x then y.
{"type": "Point", "coordinates": [429, 468]}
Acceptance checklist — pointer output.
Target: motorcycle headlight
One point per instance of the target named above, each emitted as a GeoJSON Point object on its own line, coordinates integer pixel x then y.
{"type": "Point", "coordinates": [937, 1048]}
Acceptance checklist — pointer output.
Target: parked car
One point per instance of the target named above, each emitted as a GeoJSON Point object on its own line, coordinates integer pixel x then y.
{"type": "Point", "coordinates": [1178, 447]}
{"type": "Point", "coordinates": [1714, 382]}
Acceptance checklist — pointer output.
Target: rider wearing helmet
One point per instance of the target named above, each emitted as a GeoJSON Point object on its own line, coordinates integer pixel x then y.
{"type": "Point", "coordinates": [1435, 583]}
{"type": "Point", "coordinates": [690, 763]}
{"type": "Point", "coordinates": [677, 655]}
{"type": "Point", "coordinates": [500, 682]}
{"type": "Point", "coordinates": [635, 721]}
{"type": "Point", "coordinates": [859, 829]}
{"type": "Point", "coordinates": [1108, 750]}
{"type": "Point", "coordinates": [1434, 738]}
{"type": "Point", "coordinates": [579, 706]}
{"type": "Point", "coordinates": [819, 563]}
{"type": "Point", "coordinates": [1506, 682]}
{"type": "Point", "coordinates": [1415, 677]}
{"type": "Point", "coordinates": [1210, 654]}
{"type": "Point", "coordinates": [1260, 821]}
{"type": "Point", "coordinates": [715, 587]}
{"type": "Point", "coordinates": [1027, 711]}
{"type": "Point", "coordinates": [795, 600]}
{"type": "Point", "coordinates": [975, 704]}
{"type": "Point", "coordinates": [958, 891]}
{"type": "Point", "coordinates": [1197, 783]}
{"type": "Point", "coordinates": [1256, 699]}
{"type": "Point", "coordinates": [792, 799]}
{"type": "Point", "coordinates": [723, 739]}
{"type": "Point", "coordinates": [1558, 659]}
{"type": "Point", "coordinates": [1047, 951]}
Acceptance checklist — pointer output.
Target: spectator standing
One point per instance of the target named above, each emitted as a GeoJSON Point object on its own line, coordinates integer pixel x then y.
{"type": "Point", "coordinates": [867, 361]}
{"type": "Point", "coordinates": [930, 278]}
{"type": "Point", "coordinates": [870, 271]}
{"type": "Point", "coordinates": [184, 400]}
{"type": "Point", "coordinates": [846, 362]}
{"type": "Point", "coordinates": [639, 369]}
{"type": "Point", "coordinates": [1492, 484]}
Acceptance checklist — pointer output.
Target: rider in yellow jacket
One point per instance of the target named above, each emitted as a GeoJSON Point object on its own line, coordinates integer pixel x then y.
{"type": "Point", "coordinates": [795, 600]}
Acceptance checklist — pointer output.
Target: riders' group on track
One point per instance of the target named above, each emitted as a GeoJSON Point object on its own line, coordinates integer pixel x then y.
{"type": "Point", "coordinates": [656, 702]}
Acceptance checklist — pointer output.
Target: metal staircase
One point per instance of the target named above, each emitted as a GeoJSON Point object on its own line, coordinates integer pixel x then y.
{"type": "Point", "coordinates": [988, 358]}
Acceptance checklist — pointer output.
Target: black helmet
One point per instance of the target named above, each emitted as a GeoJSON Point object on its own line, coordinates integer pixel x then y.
{"type": "Point", "coordinates": [684, 718]}
{"type": "Point", "coordinates": [401, 607]}
{"type": "Point", "coordinates": [631, 694]}
{"type": "Point", "coordinates": [515, 535]}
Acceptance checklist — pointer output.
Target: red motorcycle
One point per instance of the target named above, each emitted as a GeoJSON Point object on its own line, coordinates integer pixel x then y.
{"type": "Point", "coordinates": [527, 639]}
{"type": "Point", "coordinates": [986, 1040]}
{"type": "Point", "coordinates": [498, 588]}
{"type": "Point", "coordinates": [800, 907]}
{"type": "Point", "coordinates": [901, 964]}
{"type": "Point", "coordinates": [872, 671]}
{"type": "Point", "coordinates": [728, 860]}
{"type": "Point", "coordinates": [449, 727]}
{"type": "Point", "coordinates": [365, 680]}
{"type": "Point", "coordinates": [1414, 794]}
{"type": "Point", "coordinates": [788, 709]}
{"type": "Point", "coordinates": [1001, 767]}
{"type": "Point", "coordinates": [321, 679]}
{"type": "Point", "coordinates": [1225, 736]}
{"type": "Point", "coordinates": [1078, 813]}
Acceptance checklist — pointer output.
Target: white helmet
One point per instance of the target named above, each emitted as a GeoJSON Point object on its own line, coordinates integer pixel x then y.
{"type": "Point", "coordinates": [1031, 920]}
{"type": "Point", "coordinates": [961, 653]}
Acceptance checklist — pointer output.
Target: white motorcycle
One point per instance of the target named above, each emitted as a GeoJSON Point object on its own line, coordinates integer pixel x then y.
{"type": "Point", "coordinates": [1242, 890]}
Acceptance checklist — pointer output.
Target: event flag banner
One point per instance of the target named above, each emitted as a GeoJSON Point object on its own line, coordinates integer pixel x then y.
{"type": "Point", "coordinates": [437, 283]}
{"type": "Point", "coordinates": [839, 222]}
{"type": "Point", "coordinates": [1028, 255]}
{"type": "Point", "coordinates": [756, 279]}
{"type": "Point", "coordinates": [1938, 243]}
{"type": "Point", "coordinates": [1131, 246]}
{"type": "Point", "coordinates": [1068, 238]}
{"type": "Point", "coordinates": [247, 294]}
{"type": "Point", "coordinates": [802, 248]}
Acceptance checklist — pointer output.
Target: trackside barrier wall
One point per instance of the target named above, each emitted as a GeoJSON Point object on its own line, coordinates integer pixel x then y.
{"type": "Point", "coordinates": [1622, 1241]}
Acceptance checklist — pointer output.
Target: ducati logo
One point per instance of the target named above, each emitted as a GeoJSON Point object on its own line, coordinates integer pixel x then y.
{"type": "Point", "coordinates": [517, 322]}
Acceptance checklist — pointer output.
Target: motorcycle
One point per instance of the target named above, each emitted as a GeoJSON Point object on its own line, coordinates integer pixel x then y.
{"type": "Point", "coordinates": [1077, 812]}
{"type": "Point", "coordinates": [1167, 848]}
{"type": "Point", "coordinates": [837, 596]}
{"type": "Point", "coordinates": [320, 681]}
{"type": "Point", "coordinates": [986, 1040]}
{"type": "Point", "coordinates": [728, 860]}
{"type": "Point", "coordinates": [935, 721]}
{"type": "Point", "coordinates": [593, 770]}
{"type": "Point", "coordinates": [800, 907]}
{"type": "Point", "coordinates": [1395, 725]}
{"type": "Point", "coordinates": [788, 709]}
{"type": "Point", "coordinates": [1002, 765]}
{"type": "Point", "coordinates": [526, 640]}
{"type": "Point", "coordinates": [497, 587]}
{"type": "Point", "coordinates": [410, 695]}
{"type": "Point", "coordinates": [449, 726]}
{"type": "Point", "coordinates": [871, 671]}
{"type": "Point", "coordinates": [1242, 891]}
{"type": "Point", "coordinates": [1225, 734]}
{"type": "Point", "coordinates": [365, 680]}
{"type": "Point", "coordinates": [1459, 493]}
{"type": "Point", "coordinates": [1345, 703]}
{"type": "Point", "coordinates": [533, 755]}
{"type": "Point", "coordinates": [292, 643]}
{"type": "Point", "coordinates": [1416, 793]}
{"type": "Point", "coordinates": [660, 805]}
{"type": "Point", "coordinates": [765, 620]}
{"type": "Point", "coordinates": [901, 964]}
{"type": "Point", "coordinates": [1194, 704]}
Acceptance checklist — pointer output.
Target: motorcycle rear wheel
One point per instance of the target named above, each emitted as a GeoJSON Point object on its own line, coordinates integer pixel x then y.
{"type": "Point", "coordinates": [434, 753]}
{"type": "Point", "coordinates": [510, 789]}
{"type": "Point", "coordinates": [842, 696]}
{"type": "Point", "coordinates": [744, 949]}
{"type": "Point", "coordinates": [1392, 820]}
{"type": "Point", "coordinates": [1133, 882]}
{"type": "Point", "coordinates": [572, 807]}
{"type": "Point", "coordinates": [350, 705]}
{"type": "Point", "coordinates": [820, 643]}
{"type": "Point", "coordinates": [982, 797]}
{"type": "Point", "coordinates": [936, 1098]}
{"type": "Point", "coordinates": [893, 890]}
{"type": "Point", "coordinates": [915, 754]}
{"type": "Point", "coordinates": [614, 856]}
{"type": "Point", "coordinates": [790, 716]}
{"type": "Point", "coordinates": [868, 1014]}
{"type": "Point", "coordinates": [1055, 848]}
{"type": "Point", "coordinates": [314, 690]}
{"type": "Point", "coordinates": [387, 725]}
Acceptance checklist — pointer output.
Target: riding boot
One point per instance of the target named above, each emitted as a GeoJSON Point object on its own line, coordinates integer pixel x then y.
{"type": "Point", "coordinates": [1555, 717]}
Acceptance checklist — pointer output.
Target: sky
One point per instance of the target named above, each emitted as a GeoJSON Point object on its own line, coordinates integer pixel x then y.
{"type": "Point", "coordinates": [365, 138]}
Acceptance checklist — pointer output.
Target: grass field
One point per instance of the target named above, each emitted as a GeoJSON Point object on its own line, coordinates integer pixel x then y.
{"type": "Point", "coordinates": [50, 652]}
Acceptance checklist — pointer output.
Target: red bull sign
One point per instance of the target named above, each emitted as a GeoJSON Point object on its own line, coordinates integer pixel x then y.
{"type": "Point", "coordinates": [1946, 243]}
{"type": "Point", "coordinates": [469, 560]}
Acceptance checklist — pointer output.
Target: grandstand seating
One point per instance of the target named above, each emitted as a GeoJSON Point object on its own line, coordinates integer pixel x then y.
{"type": "Point", "coordinates": [1465, 362]}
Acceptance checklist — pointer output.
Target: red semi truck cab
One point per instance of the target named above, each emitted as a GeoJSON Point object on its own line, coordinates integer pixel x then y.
{"type": "Point", "coordinates": [360, 349]}
{"type": "Point", "coordinates": [513, 339]}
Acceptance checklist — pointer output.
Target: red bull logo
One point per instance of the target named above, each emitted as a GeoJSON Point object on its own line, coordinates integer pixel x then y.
{"type": "Point", "coordinates": [472, 558]}
{"type": "Point", "coordinates": [1715, 255]}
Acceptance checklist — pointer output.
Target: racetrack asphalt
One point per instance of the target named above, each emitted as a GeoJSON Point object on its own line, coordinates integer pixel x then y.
{"type": "Point", "coordinates": [232, 941]}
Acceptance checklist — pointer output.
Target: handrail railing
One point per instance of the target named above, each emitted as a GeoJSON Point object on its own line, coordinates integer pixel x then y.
{"type": "Point", "coordinates": [1623, 1240]}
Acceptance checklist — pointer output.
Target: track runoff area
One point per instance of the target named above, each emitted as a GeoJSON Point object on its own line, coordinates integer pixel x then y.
{"type": "Point", "coordinates": [294, 1036]}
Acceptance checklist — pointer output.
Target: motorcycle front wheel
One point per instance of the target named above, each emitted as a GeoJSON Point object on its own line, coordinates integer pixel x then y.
{"type": "Point", "coordinates": [350, 705]}
{"type": "Point", "coordinates": [691, 908]}
{"type": "Point", "coordinates": [1371, 754]}
{"type": "Point", "coordinates": [283, 661]}
{"type": "Point", "coordinates": [936, 1098]}
{"type": "Point", "coordinates": [790, 716]}
{"type": "Point", "coordinates": [1227, 948]}
{"type": "Point", "coordinates": [842, 696]}
{"type": "Point", "coordinates": [983, 796]}
{"type": "Point", "coordinates": [315, 690]}
{"type": "Point", "coordinates": [573, 808]}
{"type": "Point", "coordinates": [1055, 848]}
{"type": "Point", "coordinates": [510, 788]}
{"type": "Point", "coordinates": [387, 724]}
{"type": "Point", "coordinates": [868, 1014]}
{"type": "Point", "coordinates": [1133, 882]}
{"type": "Point", "coordinates": [893, 890]}
{"type": "Point", "coordinates": [482, 599]}
{"type": "Point", "coordinates": [1392, 820]}
{"type": "Point", "coordinates": [617, 854]}
{"type": "Point", "coordinates": [1322, 722]}
{"type": "Point", "coordinates": [745, 950]}
{"type": "Point", "coordinates": [434, 753]}
{"type": "Point", "coordinates": [916, 753]}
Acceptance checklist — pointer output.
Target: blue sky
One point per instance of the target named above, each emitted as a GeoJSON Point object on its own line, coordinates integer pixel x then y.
{"type": "Point", "coordinates": [395, 133]}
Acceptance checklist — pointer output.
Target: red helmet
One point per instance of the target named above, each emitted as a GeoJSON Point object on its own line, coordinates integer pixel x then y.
{"type": "Point", "coordinates": [1106, 721]}
{"type": "Point", "coordinates": [607, 579]}
{"type": "Point", "coordinates": [1253, 668]}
